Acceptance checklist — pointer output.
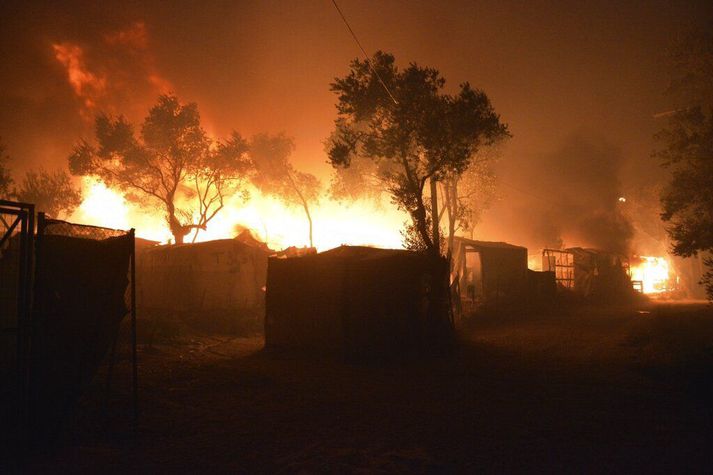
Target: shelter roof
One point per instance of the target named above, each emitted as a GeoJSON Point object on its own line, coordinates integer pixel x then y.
{"type": "Point", "coordinates": [365, 252]}
{"type": "Point", "coordinates": [487, 244]}
{"type": "Point", "coordinates": [216, 244]}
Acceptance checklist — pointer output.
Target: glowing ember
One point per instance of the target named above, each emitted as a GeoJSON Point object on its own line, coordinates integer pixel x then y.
{"type": "Point", "coordinates": [652, 272]}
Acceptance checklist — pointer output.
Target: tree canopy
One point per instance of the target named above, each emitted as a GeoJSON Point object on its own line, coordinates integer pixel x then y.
{"type": "Point", "coordinates": [170, 158]}
{"type": "Point", "coordinates": [51, 192]}
{"type": "Point", "coordinates": [411, 133]}
{"type": "Point", "coordinates": [468, 195]}
{"type": "Point", "coordinates": [686, 150]}
{"type": "Point", "coordinates": [274, 175]}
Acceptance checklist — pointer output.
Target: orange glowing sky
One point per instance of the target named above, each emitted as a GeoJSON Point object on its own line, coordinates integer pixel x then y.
{"type": "Point", "coordinates": [553, 70]}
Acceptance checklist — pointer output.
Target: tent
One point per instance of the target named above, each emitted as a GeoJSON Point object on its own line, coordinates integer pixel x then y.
{"type": "Point", "coordinates": [357, 302]}
{"type": "Point", "coordinates": [488, 273]}
{"type": "Point", "coordinates": [217, 283]}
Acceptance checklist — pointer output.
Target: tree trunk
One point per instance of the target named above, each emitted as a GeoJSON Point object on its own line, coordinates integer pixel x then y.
{"type": "Point", "coordinates": [452, 198]}
{"type": "Point", "coordinates": [173, 224]}
{"type": "Point", "coordinates": [419, 217]}
{"type": "Point", "coordinates": [178, 230]}
{"type": "Point", "coordinates": [309, 218]}
{"type": "Point", "coordinates": [434, 217]}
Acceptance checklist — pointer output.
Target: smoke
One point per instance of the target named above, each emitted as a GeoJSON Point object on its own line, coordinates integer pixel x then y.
{"type": "Point", "coordinates": [569, 197]}
{"type": "Point", "coordinates": [60, 68]}
{"type": "Point", "coordinates": [116, 73]}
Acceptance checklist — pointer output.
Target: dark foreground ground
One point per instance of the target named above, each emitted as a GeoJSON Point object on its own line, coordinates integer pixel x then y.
{"type": "Point", "coordinates": [594, 390]}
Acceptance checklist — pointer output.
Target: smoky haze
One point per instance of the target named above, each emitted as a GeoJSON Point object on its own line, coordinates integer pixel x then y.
{"type": "Point", "coordinates": [578, 85]}
{"type": "Point", "coordinates": [569, 197]}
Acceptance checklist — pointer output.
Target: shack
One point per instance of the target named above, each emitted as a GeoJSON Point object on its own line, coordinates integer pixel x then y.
{"type": "Point", "coordinates": [219, 284]}
{"type": "Point", "coordinates": [590, 273]}
{"type": "Point", "coordinates": [486, 273]}
{"type": "Point", "coordinates": [357, 302]}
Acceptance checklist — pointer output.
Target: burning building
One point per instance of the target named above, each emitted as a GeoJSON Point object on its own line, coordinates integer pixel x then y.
{"type": "Point", "coordinates": [589, 273]}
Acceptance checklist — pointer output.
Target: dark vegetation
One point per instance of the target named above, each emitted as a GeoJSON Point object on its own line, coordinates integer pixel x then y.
{"type": "Point", "coordinates": [51, 191]}
{"type": "Point", "coordinates": [686, 151]}
{"type": "Point", "coordinates": [173, 163]}
{"type": "Point", "coordinates": [578, 389]}
{"type": "Point", "coordinates": [413, 133]}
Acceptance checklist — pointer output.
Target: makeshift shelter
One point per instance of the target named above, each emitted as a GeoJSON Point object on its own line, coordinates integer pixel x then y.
{"type": "Point", "coordinates": [589, 272]}
{"type": "Point", "coordinates": [561, 262]}
{"type": "Point", "coordinates": [218, 283]}
{"type": "Point", "coordinates": [488, 273]}
{"type": "Point", "coordinates": [358, 302]}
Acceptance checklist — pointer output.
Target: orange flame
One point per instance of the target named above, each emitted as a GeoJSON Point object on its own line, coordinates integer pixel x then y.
{"type": "Point", "coordinates": [280, 226]}
{"type": "Point", "coordinates": [653, 273]}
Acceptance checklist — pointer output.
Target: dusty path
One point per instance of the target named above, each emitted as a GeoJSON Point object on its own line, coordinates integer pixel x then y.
{"type": "Point", "coordinates": [592, 390]}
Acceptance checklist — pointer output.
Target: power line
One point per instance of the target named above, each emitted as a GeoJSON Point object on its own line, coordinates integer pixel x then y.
{"type": "Point", "coordinates": [366, 56]}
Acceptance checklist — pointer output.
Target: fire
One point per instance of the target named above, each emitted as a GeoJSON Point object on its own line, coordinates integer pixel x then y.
{"type": "Point", "coordinates": [280, 226]}
{"type": "Point", "coordinates": [652, 272]}
{"type": "Point", "coordinates": [103, 206]}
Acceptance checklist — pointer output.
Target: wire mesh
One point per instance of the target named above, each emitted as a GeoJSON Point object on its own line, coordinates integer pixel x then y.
{"type": "Point", "coordinates": [56, 227]}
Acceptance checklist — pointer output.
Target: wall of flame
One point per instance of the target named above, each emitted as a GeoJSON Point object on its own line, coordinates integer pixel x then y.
{"type": "Point", "coordinates": [280, 226]}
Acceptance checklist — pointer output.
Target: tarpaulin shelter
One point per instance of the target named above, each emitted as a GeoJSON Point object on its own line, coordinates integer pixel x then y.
{"type": "Point", "coordinates": [488, 273]}
{"type": "Point", "coordinates": [82, 292]}
{"type": "Point", "coordinates": [217, 282]}
{"type": "Point", "coordinates": [357, 302]}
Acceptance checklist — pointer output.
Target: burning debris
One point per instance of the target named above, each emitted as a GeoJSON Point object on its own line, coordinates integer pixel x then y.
{"type": "Point", "coordinates": [652, 275]}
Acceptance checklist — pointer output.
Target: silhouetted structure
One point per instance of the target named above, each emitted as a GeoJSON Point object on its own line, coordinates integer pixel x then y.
{"type": "Point", "coordinates": [589, 273]}
{"type": "Point", "coordinates": [359, 302]}
{"type": "Point", "coordinates": [16, 265]}
{"type": "Point", "coordinates": [488, 273]}
{"type": "Point", "coordinates": [81, 295]}
{"type": "Point", "coordinates": [218, 284]}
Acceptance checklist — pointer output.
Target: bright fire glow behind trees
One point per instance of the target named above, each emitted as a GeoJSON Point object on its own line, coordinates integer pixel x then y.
{"type": "Point", "coordinates": [357, 223]}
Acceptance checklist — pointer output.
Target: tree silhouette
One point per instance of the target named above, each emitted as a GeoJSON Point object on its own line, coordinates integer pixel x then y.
{"type": "Point", "coordinates": [687, 151]}
{"type": "Point", "coordinates": [171, 157]}
{"type": "Point", "coordinates": [51, 192]}
{"type": "Point", "coordinates": [467, 195]}
{"type": "Point", "coordinates": [419, 134]}
{"type": "Point", "coordinates": [273, 174]}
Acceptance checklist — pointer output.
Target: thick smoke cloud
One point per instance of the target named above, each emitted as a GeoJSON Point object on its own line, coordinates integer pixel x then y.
{"type": "Point", "coordinates": [569, 197]}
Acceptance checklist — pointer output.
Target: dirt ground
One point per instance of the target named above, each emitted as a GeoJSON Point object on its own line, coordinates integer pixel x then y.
{"type": "Point", "coordinates": [588, 389]}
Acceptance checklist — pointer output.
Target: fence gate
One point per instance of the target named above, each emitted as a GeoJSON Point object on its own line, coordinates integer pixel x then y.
{"type": "Point", "coordinates": [17, 224]}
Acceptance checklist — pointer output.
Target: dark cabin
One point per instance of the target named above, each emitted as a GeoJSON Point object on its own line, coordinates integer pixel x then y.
{"type": "Point", "coordinates": [218, 284]}
{"type": "Point", "coordinates": [488, 273]}
{"type": "Point", "coordinates": [356, 302]}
